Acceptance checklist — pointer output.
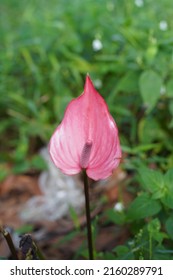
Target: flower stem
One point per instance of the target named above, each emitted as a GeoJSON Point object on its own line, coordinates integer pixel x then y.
{"type": "Point", "coordinates": [9, 241]}
{"type": "Point", "coordinates": [88, 217]}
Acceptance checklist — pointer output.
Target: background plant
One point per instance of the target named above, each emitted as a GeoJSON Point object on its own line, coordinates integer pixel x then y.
{"type": "Point", "coordinates": [46, 49]}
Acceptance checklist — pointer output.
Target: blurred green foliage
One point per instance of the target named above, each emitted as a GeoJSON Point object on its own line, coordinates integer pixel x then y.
{"type": "Point", "coordinates": [46, 49]}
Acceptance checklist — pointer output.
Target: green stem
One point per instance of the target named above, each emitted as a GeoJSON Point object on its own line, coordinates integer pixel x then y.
{"type": "Point", "coordinates": [39, 252]}
{"type": "Point", "coordinates": [9, 241]}
{"type": "Point", "coordinates": [88, 217]}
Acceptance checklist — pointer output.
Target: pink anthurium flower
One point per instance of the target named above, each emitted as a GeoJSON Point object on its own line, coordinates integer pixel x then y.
{"type": "Point", "coordinates": [87, 137]}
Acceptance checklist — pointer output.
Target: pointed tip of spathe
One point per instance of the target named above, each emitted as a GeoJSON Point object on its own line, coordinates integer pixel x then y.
{"type": "Point", "coordinates": [88, 84]}
{"type": "Point", "coordinates": [88, 80]}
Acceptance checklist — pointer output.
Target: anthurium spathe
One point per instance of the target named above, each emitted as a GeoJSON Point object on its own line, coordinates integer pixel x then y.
{"type": "Point", "coordinates": [87, 137]}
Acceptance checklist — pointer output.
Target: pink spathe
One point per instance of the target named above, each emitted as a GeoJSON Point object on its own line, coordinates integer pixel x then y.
{"type": "Point", "coordinates": [87, 137]}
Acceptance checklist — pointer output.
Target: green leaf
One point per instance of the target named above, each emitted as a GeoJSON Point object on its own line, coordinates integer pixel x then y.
{"type": "Point", "coordinates": [150, 84]}
{"type": "Point", "coordinates": [171, 107]}
{"type": "Point", "coordinates": [167, 199]}
{"type": "Point", "coordinates": [115, 217]}
{"type": "Point", "coordinates": [21, 167]}
{"type": "Point", "coordinates": [169, 226]}
{"type": "Point", "coordinates": [38, 162]}
{"type": "Point", "coordinates": [74, 217]}
{"type": "Point", "coordinates": [149, 130]}
{"type": "Point", "coordinates": [169, 88]}
{"type": "Point", "coordinates": [25, 229]}
{"type": "Point", "coordinates": [123, 253]}
{"type": "Point", "coordinates": [128, 83]}
{"type": "Point", "coordinates": [152, 181]}
{"type": "Point", "coordinates": [169, 178]}
{"type": "Point", "coordinates": [67, 238]}
{"type": "Point", "coordinates": [3, 172]}
{"type": "Point", "coordinates": [154, 230]}
{"type": "Point", "coordinates": [107, 256]}
{"type": "Point", "coordinates": [143, 206]}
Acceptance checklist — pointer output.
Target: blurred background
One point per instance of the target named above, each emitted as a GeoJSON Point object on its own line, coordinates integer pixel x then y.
{"type": "Point", "coordinates": [46, 50]}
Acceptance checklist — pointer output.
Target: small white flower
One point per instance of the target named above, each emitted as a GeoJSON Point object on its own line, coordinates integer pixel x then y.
{"type": "Point", "coordinates": [131, 243]}
{"type": "Point", "coordinates": [139, 3]}
{"type": "Point", "coordinates": [163, 25]}
{"type": "Point", "coordinates": [162, 90]}
{"type": "Point", "coordinates": [119, 207]}
{"type": "Point", "coordinates": [98, 83]}
{"type": "Point", "coordinates": [97, 45]}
